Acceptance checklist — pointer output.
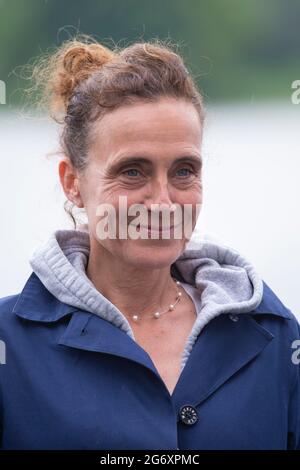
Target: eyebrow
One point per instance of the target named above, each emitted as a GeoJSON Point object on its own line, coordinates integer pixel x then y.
{"type": "Point", "coordinates": [197, 161]}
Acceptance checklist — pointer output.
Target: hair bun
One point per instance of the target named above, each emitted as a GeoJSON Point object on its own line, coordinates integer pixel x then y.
{"type": "Point", "coordinates": [80, 59]}
{"type": "Point", "coordinates": [57, 75]}
{"type": "Point", "coordinates": [78, 63]}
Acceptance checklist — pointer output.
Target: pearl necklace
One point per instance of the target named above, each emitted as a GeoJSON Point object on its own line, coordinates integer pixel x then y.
{"type": "Point", "coordinates": [157, 315]}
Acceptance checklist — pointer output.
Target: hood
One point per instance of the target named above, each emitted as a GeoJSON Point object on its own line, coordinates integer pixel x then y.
{"type": "Point", "coordinates": [218, 279]}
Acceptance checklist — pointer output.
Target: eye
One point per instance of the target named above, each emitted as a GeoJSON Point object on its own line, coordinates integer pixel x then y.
{"type": "Point", "coordinates": [132, 170]}
{"type": "Point", "coordinates": [185, 171]}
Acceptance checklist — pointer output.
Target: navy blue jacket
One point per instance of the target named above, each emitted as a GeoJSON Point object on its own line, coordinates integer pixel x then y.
{"type": "Point", "coordinates": [72, 380]}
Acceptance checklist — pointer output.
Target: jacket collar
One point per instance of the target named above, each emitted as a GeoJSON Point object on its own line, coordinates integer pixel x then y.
{"type": "Point", "coordinates": [271, 304]}
{"type": "Point", "coordinates": [36, 303]}
{"type": "Point", "coordinates": [230, 345]}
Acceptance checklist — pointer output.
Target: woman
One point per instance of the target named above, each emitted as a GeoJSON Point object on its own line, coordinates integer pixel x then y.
{"type": "Point", "coordinates": [140, 342]}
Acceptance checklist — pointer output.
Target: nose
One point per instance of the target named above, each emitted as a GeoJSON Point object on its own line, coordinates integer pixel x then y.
{"type": "Point", "coordinates": [159, 194]}
{"type": "Point", "coordinates": [158, 202]}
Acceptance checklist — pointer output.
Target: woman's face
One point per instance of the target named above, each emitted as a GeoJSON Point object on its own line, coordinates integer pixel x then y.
{"type": "Point", "coordinates": [134, 152]}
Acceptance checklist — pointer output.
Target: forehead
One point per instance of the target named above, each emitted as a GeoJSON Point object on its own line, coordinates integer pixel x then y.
{"type": "Point", "coordinates": [165, 126]}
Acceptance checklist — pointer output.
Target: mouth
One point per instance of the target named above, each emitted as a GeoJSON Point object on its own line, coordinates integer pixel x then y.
{"type": "Point", "coordinates": [156, 229]}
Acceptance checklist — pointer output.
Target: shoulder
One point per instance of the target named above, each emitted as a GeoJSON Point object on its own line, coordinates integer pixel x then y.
{"type": "Point", "coordinates": [276, 316]}
{"type": "Point", "coordinates": [273, 303]}
{"type": "Point", "coordinates": [7, 304]}
{"type": "Point", "coordinates": [272, 307]}
{"type": "Point", "coordinates": [8, 319]}
{"type": "Point", "coordinates": [279, 321]}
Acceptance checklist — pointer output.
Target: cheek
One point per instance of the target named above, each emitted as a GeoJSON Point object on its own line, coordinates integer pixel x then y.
{"type": "Point", "coordinates": [98, 193]}
{"type": "Point", "coordinates": [190, 202]}
{"type": "Point", "coordinates": [192, 195]}
{"type": "Point", "coordinates": [197, 196]}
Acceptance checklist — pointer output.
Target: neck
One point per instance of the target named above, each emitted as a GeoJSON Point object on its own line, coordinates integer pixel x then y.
{"type": "Point", "coordinates": [132, 290]}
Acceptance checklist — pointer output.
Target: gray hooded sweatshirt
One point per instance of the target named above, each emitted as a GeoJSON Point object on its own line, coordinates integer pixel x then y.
{"type": "Point", "coordinates": [217, 278]}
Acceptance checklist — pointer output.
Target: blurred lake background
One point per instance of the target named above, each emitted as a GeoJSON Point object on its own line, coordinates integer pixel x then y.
{"type": "Point", "coordinates": [245, 55]}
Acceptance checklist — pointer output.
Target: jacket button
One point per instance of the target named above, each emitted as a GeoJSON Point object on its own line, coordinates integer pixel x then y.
{"type": "Point", "coordinates": [233, 317]}
{"type": "Point", "coordinates": [188, 414]}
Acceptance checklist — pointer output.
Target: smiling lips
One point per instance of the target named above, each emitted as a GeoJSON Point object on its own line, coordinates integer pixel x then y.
{"type": "Point", "coordinates": [156, 229]}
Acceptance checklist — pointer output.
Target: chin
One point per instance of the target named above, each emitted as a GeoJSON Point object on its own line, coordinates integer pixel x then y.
{"type": "Point", "coordinates": [155, 254]}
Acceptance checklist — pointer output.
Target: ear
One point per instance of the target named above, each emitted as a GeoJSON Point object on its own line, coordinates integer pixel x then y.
{"type": "Point", "coordinates": [69, 181]}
